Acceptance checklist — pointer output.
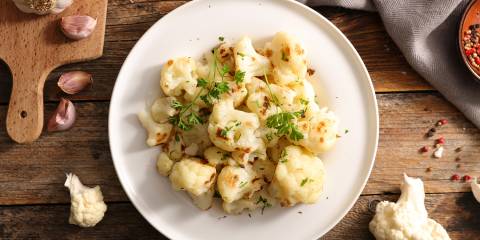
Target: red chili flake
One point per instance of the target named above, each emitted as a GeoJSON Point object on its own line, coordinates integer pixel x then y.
{"type": "Point", "coordinates": [441, 140]}
{"type": "Point", "coordinates": [424, 149]}
{"type": "Point", "coordinates": [442, 122]}
{"type": "Point", "coordinates": [467, 178]}
{"type": "Point", "coordinates": [455, 177]}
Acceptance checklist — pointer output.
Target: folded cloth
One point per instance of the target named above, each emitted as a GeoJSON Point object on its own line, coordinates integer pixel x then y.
{"type": "Point", "coordinates": [426, 32]}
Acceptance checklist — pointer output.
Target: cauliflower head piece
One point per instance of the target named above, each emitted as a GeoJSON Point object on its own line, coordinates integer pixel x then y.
{"type": "Point", "coordinates": [191, 175]}
{"type": "Point", "coordinates": [233, 130]}
{"type": "Point", "coordinates": [247, 60]}
{"type": "Point", "coordinates": [320, 131]}
{"type": "Point", "coordinates": [158, 133]}
{"type": "Point", "coordinates": [298, 178]}
{"type": "Point", "coordinates": [87, 205]}
{"type": "Point", "coordinates": [288, 58]}
{"type": "Point", "coordinates": [179, 76]}
{"type": "Point", "coordinates": [236, 182]}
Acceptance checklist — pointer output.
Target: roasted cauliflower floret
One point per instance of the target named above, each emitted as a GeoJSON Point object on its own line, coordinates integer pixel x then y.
{"type": "Point", "coordinates": [179, 76]}
{"type": "Point", "coordinates": [288, 58]}
{"type": "Point", "coordinates": [162, 109]}
{"type": "Point", "coordinates": [219, 158]}
{"type": "Point", "coordinates": [233, 130]}
{"type": "Point", "coordinates": [275, 152]}
{"type": "Point", "coordinates": [260, 199]}
{"type": "Point", "coordinates": [319, 131]}
{"type": "Point", "coordinates": [264, 168]}
{"type": "Point", "coordinates": [247, 60]}
{"type": "Point", "coordinates": [203, 201]}
{"type": "Point", "coordinates": [164, 164]}
{"type": "Point", "coordinates": [158, 133]}
{"type": "Point", "coordinates": [88, 207]}
{"type": "Point", "coordinates": [191, 175]}
{"type": "Point", "coordinates": [196, 140]}
{"type": "Point", "coordinates": [237, 182]}
{"type": "Point", "coordinates": [260, 96]}
{"type": "Point", "coordinates": [298, 178]}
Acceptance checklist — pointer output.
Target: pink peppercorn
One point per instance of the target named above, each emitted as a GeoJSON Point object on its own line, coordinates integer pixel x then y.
{"type": "Point", "coordinates": [467, 178]}
{"type": "Point", "coordinates": [455, 177]}
{"type": "Point", "coordinates": [441, 140]}
{"type": "Point", "coordinates": [424, 149]}
{"type": "Point", "coordinates": [470, 51]}
{"type": "Point", "coordinates": [442, 122]}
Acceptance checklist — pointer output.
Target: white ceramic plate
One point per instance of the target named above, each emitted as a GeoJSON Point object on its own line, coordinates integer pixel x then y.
{"type": "Point", "coordinates": [343, 85]}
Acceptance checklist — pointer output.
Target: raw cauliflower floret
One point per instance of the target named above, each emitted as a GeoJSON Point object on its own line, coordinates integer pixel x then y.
{"type": "Point", "coordinates": [162, 109]}
{"type": "Point", "coordinates": [236, 182]}
{"type": "Point", "coordinates": [260, 199]}
{"type": "Point", "coordinates": [233, 130]}
{"type": "Point", "coordinates": [192, 176]}
{"type": "Point", "coordinates": [158, 133]}
{"type": "Point", "coordinates": [319, 131]}
{"type": "Point", "coordinates": [249, 61]}
{"type": "Point", "coordinates": [203, 201]}
{"type": "Point", "coordinates": [88, 207]}
{"type": "Point", "coordinates": [260, 100]}
{"type": "Point", "coordinates": [179, 76]}
{"type": "Point", "coordinates": [298, 178]}
{"type": "Point", "coordinates": [164, 164]}
{"type": "Point", "coordinates": [407, 218]}
{"type": "Point", "coordinates": [288, 58]}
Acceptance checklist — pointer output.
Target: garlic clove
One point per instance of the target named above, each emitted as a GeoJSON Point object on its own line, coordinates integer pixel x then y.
{"type": "Point", "coordinates": [78, 27]}
{"type": "Point", "coordinates": [42, 7]}
{"type": "Point", "coordinates": [74, 82]}
{"type": "Point", "coordinates": [63, 117]}
{"type": "Point", "coordinates": [475, 189]}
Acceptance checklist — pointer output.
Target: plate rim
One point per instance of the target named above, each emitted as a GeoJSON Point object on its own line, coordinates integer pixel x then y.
{"type": "Point", "coordinates": [356, 57]}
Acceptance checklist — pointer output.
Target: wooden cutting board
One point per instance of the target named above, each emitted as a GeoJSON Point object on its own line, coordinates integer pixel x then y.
{"type": "Point", "coordinates": [32, 46]}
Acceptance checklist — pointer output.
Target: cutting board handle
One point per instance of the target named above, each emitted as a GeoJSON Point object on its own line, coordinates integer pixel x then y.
{"type": "Point", "coordinates": [25, 110]}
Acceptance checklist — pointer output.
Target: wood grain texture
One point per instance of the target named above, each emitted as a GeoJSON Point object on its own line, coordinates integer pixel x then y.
{"type": "Point", "coordinates": [35, 173]}
{"type": "Point", "coordinates": [32, 46]}
{"type": "Point", "coordinates": [126, 22]}
{"type": "Point", "coordinates": [457, 212]}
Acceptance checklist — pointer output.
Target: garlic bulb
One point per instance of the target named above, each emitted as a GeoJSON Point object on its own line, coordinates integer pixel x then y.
{"type": "Point", "coordinates": [63, 117]}
{"type": "Point", "coordinates": [42, 7]}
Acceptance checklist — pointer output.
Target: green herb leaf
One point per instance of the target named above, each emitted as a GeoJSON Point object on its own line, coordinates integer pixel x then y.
{"type": "Point", "coordinates": [221, 38]}
{"type": "Point", "coordinates": [202, 82]}
{"type": "Point", "coordinates": [242, 184]}
{"type": "Point", "coordinates": [225, 69]}
{"type": "Point", "coordinates": [176, 105]}
{"type": "Point", "coordinates": [240, 54]}
{"type": "Point", "coordinates": [303, 182]}
{"type": "Point", "coordinates": [239, 76]}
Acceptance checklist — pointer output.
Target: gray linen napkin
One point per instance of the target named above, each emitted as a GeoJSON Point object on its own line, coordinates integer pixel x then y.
{"type": "Point", "coordinates": [426, 33]}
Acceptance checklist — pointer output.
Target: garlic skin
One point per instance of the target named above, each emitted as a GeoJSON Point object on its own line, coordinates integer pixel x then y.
{"type": "Point", "coordinates": [63, 117]}
{"type": "Point", "coordinates": [406, 219]}
{"type": "Point", "coordinates": [475, 189]}
{"type": "Point", "coordinates": [78, 27]}
{"type": "Point", "coordinates": [74, 82]}
{"type": "Point", "coordinates": [88, 207]}
{"type": "Point", "coordinates": [42, 7]}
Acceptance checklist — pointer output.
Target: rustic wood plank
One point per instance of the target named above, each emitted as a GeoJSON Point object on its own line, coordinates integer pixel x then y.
{"type": "Point", "coordinates": [404, 121]}
{"type": "Point", "coordinates": [457, 212]}
{"type": "Point", "coordinates": [126, 22]}
{"type": "Point", "coordinates": [34, 173]}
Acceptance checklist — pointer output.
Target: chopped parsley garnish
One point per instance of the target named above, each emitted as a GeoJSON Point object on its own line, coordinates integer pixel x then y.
{"type": "Point", "coordinates": [214, 93]}
{"type": "Point", "coordinates": [283, 123]}
{"type": "Point", "coordinates": [303, 182]}
{"type": "Point", "coordinates": [242, 184]}
{"type": "Point", "coordinates": [202, 82]}
{"type": "Point", "coordinates": [225, 131]}
{"type": "Point", "coordinates": [239, 76]}
{"type": "Point", "coordinates": [264, 202]}
{"type": "Point", "coordinates": [283, 157]}
{"type": "Point", "coordinates": [346, 131]}
{"type": "Point", "coordinates": [225, 69]}
{"type": "Point", "coordinates": [176, 105]}
{"type": "Point", "coordinates": [240, 54]}
{"type": "Point", "coordinates": [226, 155]}
{"type": "Point", "coordinates": [221, 38]}
{"type": "Point", "coordinates": [303, 101]}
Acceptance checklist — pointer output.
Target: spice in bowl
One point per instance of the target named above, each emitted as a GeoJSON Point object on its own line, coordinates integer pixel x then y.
{"type": "Point", "coordinates": [471, 45]}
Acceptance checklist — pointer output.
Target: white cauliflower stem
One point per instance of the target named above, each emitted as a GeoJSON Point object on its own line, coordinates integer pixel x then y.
{"type": "Point", "coordinates": [407, 219]}
{"type": "Point", "coordinates": [88, 207]}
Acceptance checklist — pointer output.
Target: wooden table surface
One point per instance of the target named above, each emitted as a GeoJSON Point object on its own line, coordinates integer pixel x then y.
{"type": "Point", "coordinates": [34, 203]}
